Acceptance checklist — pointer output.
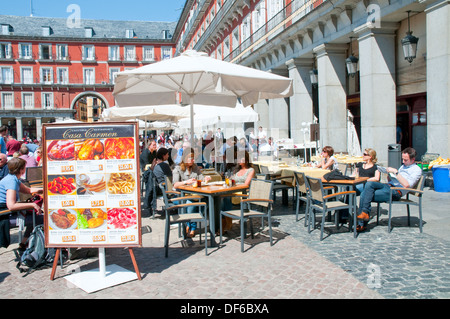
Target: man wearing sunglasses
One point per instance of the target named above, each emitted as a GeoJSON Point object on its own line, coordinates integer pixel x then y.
{"type": "Point", "coordinates": [407, 176]}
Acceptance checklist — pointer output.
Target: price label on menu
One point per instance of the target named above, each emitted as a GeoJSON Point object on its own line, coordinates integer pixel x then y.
{"type": "Point", "coordinates": [92, 185]}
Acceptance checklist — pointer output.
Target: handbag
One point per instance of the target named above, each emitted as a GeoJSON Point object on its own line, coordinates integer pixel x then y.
{"type": "Point", "coordinates": [336, 175]}
{"type": "Point", "coordinates": [37, 199]}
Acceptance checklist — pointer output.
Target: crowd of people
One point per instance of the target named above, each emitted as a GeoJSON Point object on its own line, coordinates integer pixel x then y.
{"type": "Point", "coordinates": [15, 157]}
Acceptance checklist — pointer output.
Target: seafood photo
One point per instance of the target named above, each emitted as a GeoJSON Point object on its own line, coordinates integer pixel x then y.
{"type": "Point", "coordinates": [61, 150]}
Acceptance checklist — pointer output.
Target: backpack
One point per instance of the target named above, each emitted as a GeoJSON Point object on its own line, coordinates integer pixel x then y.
{"type": "Point", "coordinates": [36, 255]}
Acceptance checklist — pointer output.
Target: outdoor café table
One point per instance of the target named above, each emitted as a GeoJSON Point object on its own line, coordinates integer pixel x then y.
{"type": "Point", "coordinates": [308, 171]}
{"type": "Point", "coordinates": [213, 192]}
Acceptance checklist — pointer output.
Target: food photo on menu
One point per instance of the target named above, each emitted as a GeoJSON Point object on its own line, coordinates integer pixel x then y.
{"type": "Point", "coordinates": [61, 184]}
{"type": "Point", "coordinates": [61, 150]}
{"type": "Point", "coordinates": [89, 149]}
{"type": "Point", "coordinates": [63, 219]}
{"type": "Point", "coordinates": [120, 183]}
{"type": "Point", "coordinates": [90, 184]}
{"type": "Point", "coordinates": [90, 218]}
{"type": "Point", "coordinates": [119, 148]}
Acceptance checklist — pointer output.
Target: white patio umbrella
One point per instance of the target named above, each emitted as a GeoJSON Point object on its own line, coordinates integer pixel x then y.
{"type": "Point", "coordinates": [200, 80]}
{"type": "Point", "coordinates": [211, 115]}
{"type": "Point", "coordinates": [167, 113]}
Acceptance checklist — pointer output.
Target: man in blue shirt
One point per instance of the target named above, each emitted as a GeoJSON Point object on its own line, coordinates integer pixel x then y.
{"type": "Point", "coordinates": [3, 134]}
{"type": "Point", "coordinates": [407, 176]}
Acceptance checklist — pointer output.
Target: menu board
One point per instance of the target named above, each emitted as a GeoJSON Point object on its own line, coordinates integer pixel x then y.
{"type": "Point", "coordinates": [91, 185]}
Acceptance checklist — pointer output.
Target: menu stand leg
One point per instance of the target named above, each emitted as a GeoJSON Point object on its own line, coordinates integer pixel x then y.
{"type": "Point", "coordinates": [55, 263]}
{"type": "Point", "coordinates": [133, 259]}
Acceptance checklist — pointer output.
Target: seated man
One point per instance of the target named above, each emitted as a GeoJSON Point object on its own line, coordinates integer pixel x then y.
{"type": "Point", "coordinates": [407, 176]}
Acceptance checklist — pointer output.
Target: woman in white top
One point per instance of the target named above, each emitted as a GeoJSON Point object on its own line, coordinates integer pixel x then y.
{"type": "Point", "coordinates": [243, 173]}
{"type": "Point", "coordinates": [328, 160]}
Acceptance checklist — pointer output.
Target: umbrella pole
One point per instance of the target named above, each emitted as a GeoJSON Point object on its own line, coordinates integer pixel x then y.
{"type": "Point", "coordinates": [191, 99]}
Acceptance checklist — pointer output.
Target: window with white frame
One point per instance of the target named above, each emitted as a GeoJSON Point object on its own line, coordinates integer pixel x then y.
{"type": "Point", "coordinates": [7, 100]}
{"type": "Point", "coordinates": [7, 75]}
{"type": "Point", "coordinates": [26, 73]}
{"type": "Point", "coordinates": [63, 75]}
{"type": "Point", "coordinates": [47, 100]}
{"type": "Point", "coordinates": [27, 100]}
{"type": "Point", "coordinates": [89, 76]}
{"type": "Point", "coordinates": [88, 53]}
{"type": "Point", "coordinates": [273, 7]}
{"type": "Point", "coordinates": [46, 75]}
{"type": "Point", "coordinates": [114, 53]}
{"type": "Point", "coordinates": [112, 75]}
{"type": "Point", "coordinates": [236, 38]}
{"type": "Point", "coordinates": [226, 47]}
{"type": "Point", "coordinates": [130, 53]}
{"type": "Point", "coordinates": [245, 28]}
{"type": "Point", "coordinates": [45, 51]}
{"type": "Point", "coordinates": [5, 51]}
{"type": "Point", "coordinates": [148, 53]}
{"type": "Point", "coordinates": [166, 53]}
{"type": "Point", "coordinates": [25, 51]}
{"type": "Point", "coordinates": [62, 52]}
{"type": "Point", "coordinates": [259, 16]}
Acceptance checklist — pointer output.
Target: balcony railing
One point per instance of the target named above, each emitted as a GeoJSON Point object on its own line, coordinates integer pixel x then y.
{"type": "Point", "coordinates": [290, 14]}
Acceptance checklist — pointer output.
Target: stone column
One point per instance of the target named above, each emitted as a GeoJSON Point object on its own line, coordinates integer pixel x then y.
{"type": "Point", "coordinates": [278, 114]}
{"type": "Point", "coordinates": [19, 128]}
{"type": "Point", "coordinates": [332, 95]}
{"type": "Point", "coordinates": [301, 102]}
{"type": "Point", "coordinates": [377, 87]}
{"type": "Point", "coordinates": [438, 77]}
{"type": "Point", "coordinates": [38, 128]}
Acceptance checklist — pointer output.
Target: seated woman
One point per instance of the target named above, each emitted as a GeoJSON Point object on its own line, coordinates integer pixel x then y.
{"type": "Point", "coordinates": [328, 160]}
{"type": "Point", "coordinates": [243, 173]}
{"type": "Point", "coordinates": [367, 169]}
{"type": "Point", "coordinates": [10, 186]}
{"type": "Point", "coordinates": [187, 172]}
{"type": "Point", "coordinates": [162, 167]}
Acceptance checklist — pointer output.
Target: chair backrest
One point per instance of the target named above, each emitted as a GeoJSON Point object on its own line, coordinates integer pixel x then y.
{"type": "Point", "coordinates": [300, 181]}
{"type": "Point", "coordinates": [315, 188]}
{"type": "Point", "coordinates": [264, 169]}
{"type": "Point", "coordinates": [33, 174]}
{"type": "Point", "coordinates": [420, 185]}
{"type": "Point", "coordinates": [163, 187]}
{"type": "Point", "coordinates": [256, 168]}
{"type": "Point", "coordinates": [260, 189]}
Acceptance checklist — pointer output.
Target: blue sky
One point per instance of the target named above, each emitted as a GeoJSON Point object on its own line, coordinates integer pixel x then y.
{"type": "Point", "coordinates": [139, 10]}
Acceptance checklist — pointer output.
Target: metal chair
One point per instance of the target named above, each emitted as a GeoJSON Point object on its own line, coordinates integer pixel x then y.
{"type": "Point", "coordinates": [174, 215]}
{"type": "Point", "coordinates": [320, 201]}
{"type": "Point", "coordinates": [260, 193]}
{"type": "Point", "coordinates": [302, 194]}
{"type": "Point", "coordinates": [278, 185]}
{"type": "Point", "coordinates": [416, 191]}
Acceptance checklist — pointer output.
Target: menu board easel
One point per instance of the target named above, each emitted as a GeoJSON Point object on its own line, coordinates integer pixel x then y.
{"type": "Point", "coordinates": [92, 188]}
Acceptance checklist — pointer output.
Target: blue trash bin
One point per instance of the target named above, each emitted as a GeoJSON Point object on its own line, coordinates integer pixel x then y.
{"type": "Point", "coordinates": [441, 178]}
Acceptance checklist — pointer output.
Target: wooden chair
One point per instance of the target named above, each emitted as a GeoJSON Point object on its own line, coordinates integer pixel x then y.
{"type": "Point", "coordinates": [260, 193]}
{"type": "Point", "coordinates": [321, 202]}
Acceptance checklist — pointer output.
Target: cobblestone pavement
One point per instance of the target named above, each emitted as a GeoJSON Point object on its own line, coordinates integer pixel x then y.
{"type": "Point", "coordinates": [376, 265]}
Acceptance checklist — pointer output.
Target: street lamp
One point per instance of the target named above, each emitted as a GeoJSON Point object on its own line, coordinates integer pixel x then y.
{"type": "Point", "coordinates": [409, 44]}
{"type": "Point", "coordinates": [314, 77]}
{"type": "Point", "coordinates": [351, 62]}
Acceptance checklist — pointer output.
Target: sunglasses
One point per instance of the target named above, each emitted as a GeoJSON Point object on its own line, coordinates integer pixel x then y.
{"type": "Point", "coordinates": [365, 154]}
